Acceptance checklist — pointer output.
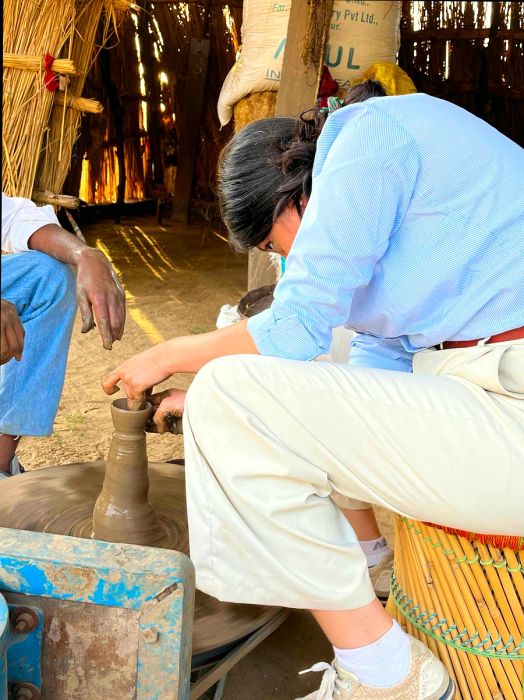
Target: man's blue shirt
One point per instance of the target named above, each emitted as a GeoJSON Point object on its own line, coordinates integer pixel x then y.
{"type": "Point", "coordinates": [413, 235]}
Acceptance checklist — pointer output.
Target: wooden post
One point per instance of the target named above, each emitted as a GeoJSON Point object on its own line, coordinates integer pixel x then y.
{"type": "Point", "coordinates": [297, 91]}
{"type": "Point", "coordinates": [190, 128]}
{"type": "Point", "coordinates": [298, 81]}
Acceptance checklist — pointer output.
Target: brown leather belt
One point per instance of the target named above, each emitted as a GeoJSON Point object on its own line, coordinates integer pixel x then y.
{"type": "Point", "coordinates": [515, 334]}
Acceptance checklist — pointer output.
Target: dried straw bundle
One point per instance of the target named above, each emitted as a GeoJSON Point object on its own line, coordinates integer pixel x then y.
{"type": "Point", "coordinates": [41, 127]}
{"type": "Point", "coordinates": [465, 600]}
{"type": "Point", "coordinates": [64, 121]}
{"type": "Point", "coordinates": [35, 63]}
{"type": "Point", "coordinates": [30, 29]}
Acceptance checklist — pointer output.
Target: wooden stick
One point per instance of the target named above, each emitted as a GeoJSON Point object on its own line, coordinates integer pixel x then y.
{"type": "Point", "coordinates": [36, 63]}
{"type": "Point", "coordinates": [82, 104]}
{"type": "Point", "coordinates": [60, 200]}
{"type": "Point", "coordinates": [76, 227]}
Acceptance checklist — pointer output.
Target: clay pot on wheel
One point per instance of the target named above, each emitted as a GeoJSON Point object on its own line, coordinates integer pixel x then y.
{"type": "Point", "coordinates": [122, 511]}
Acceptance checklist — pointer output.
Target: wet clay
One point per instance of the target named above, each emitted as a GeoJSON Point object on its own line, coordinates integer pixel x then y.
{"type": "Point", "coordinates": [122, 511]}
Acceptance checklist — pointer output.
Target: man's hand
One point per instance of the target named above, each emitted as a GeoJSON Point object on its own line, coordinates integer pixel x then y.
{"type": "Point", "coordinates": [167, 405]}
{"type": "Point", "coordinates": [11, 333]}
{"type": "Point", "coordinates": [99, 292]}
{"type": "Point", "coordinates": [100, 296]}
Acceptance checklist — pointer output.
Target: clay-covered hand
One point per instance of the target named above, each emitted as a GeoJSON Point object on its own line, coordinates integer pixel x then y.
{"type": "Point", "coordinates": [100, 296]}
{"type": "Point", "coordinates": [11, 333]}
{"type": "Point", "coordinates": [139, 374]}
{"type": "Point", "coordinates": [167, 405]}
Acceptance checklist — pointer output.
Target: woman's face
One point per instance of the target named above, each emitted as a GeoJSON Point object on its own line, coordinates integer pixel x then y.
{"type": "Point", "coordinates": [283, 231]}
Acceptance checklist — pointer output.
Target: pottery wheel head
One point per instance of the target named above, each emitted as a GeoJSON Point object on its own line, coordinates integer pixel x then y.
{"type": "Point", "coordinates": [60, 500]}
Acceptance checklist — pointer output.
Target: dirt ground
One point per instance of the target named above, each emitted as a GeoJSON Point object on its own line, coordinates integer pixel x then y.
{"type": "Point", "coordinates": [176, 278]}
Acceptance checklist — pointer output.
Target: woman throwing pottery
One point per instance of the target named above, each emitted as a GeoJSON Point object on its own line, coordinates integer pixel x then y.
{"type": "Point", "coordinates": [403, 219]}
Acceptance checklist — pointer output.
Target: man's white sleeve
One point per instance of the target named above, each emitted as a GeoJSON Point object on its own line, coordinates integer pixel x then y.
{"type": "Point", "coordinates": [20, 219]}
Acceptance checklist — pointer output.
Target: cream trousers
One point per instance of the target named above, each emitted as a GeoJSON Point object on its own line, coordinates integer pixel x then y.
{"type": "Point", "coordinates": [269, 441]}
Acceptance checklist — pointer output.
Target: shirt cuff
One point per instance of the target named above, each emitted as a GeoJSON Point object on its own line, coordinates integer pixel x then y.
{"type": "Point", "coordinates": [284, 337]}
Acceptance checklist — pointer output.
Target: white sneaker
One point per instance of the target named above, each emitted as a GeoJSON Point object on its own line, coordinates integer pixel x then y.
{"type": "Point", "coordinates": [380, 576]}
{"type": "Point", "coordinates": [427, 679]}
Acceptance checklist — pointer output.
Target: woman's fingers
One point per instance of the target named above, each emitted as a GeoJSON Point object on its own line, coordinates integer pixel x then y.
{"type": "Point", "coordinates": [159, 419]}
{"type": "Point", "coordinates": [110, 382]}
{"type": "Point", "coordinates": [156, 399]}
{"type": "Point", "coordinates": [138, 375]}
{"type": "Point", "coordinates": [168, 406]}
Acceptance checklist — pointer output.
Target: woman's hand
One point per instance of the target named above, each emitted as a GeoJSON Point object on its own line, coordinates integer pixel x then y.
{"type": "Point", "coordinates": [167, 405]}
{"type": "Point", "coordinates": [11, 333]}
{"type": "Point", "coordinates": [140, 374]}
{"type": "Point", "coordinates": [100, 296]}
{"type": "Point", "coordinates": [189, 353]}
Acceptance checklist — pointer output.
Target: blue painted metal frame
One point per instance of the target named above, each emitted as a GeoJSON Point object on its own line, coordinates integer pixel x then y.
{"type": "Point", "coordinates": [4, 633]}
{"type": "Point", "coordinates": [159, 583]}
{"type": "Point", "coordinates": [24, 653]}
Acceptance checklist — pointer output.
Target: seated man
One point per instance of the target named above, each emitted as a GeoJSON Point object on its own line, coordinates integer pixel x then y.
{"type": "Point", "coordinates": [39, 295]}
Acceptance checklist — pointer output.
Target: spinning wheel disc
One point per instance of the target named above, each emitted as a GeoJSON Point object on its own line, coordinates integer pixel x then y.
{"type": "Point", "coordinates": [60, 500]}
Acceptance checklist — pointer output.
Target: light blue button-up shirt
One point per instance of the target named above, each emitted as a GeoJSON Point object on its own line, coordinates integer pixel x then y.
{"type": "Point", "coordinates": [413, 235]}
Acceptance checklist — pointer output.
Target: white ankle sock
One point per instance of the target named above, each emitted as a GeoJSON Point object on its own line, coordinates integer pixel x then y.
{"type": "Point", "coordinates": [374, 550]}
{"type": "Point", "coordinates": [383, 663]}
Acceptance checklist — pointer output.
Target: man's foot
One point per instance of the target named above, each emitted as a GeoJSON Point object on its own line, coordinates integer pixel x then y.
{"type": "Point", "coordinates": [14, 468]}
{"type": "Point", "coordinates": [380, 576]}
{"type": "Point", "coordinates": [427, 679]}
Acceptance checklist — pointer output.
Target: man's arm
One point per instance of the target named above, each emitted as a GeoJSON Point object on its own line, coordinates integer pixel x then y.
{"type": "Point", "coordinates": [99, 292]}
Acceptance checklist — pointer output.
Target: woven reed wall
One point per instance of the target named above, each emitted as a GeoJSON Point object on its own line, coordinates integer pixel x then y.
{"type": "Point", "coordinates": [470, 53]}
{"type": "Point", "coordinates": [97, 143]}
{"type": "Point", "coordinates": [171, 27]}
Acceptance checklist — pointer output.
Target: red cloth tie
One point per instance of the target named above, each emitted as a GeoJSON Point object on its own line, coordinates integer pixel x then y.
{"type": "Point", "coordinates": [50, 78]}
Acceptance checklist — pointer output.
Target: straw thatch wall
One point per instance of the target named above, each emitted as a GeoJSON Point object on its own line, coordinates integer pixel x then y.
{"type": "Point", "coordinates": [470, 53]}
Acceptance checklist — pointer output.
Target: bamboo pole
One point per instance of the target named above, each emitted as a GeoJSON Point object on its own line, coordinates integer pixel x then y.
{"type": "Point", "coordinates": [441, 604]}
{"type": "Point", "coordinates": [453, 593]}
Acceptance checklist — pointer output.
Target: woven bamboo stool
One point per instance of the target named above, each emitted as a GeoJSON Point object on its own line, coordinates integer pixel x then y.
{"type": "Point", "coordinates": [462, 594]}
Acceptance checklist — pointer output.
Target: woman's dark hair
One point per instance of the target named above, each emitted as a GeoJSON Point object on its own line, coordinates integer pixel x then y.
{"type": "Point", "coordinates": [267, 166]}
